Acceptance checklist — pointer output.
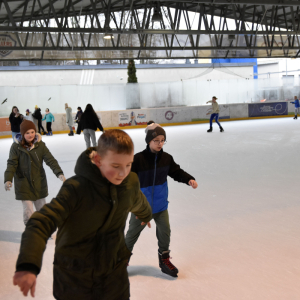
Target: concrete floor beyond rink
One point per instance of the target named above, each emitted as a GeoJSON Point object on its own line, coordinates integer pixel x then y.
{"type": "Point", "coordinates": [236, 237]}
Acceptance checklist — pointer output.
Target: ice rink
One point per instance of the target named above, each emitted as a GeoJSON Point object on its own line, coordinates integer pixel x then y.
{"type": "Point", "coordinates": [236, 237]}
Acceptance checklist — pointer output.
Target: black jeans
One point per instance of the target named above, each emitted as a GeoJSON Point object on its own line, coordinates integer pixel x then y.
{"type": "Point", "coordinates": [49, 129]}
{"type": "Point", "coordinates": [40, 126]}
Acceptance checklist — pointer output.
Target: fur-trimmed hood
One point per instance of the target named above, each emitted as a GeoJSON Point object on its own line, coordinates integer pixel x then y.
{"type": "Point", "coordinates": [18, 139]}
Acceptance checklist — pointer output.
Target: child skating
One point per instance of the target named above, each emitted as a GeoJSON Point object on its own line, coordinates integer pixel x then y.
{"type": "Point", "coordinates": [153, 166]}
{"type": "Point", "coordinates": [49, 119]}
{"type": "Point", "coordinates": [214, 114]}
{"type": "Point", "coordinates": [25, 166]}
{"type": "Point", "coordinates": [90, 212]}
{"type": "Point", "coordinates": [297, 105]}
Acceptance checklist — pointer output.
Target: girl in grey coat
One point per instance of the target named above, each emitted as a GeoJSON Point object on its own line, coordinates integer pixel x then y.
{"type": "Point", "coordinates": [25, 165]}
{"type": "Point", "coordinates": [69, 119]}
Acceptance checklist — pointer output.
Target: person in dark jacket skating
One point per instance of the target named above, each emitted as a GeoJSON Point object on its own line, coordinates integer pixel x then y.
{"type": "Point", "coordinates": [78, 118]}
{"type": "Point", "coordinates": [297, 105]}
{"type": "Point", "coordinates": [89, 123]}
{"type": "Point", "coordinates": [25, 166]}
{"type": "Point", "coordinates": [15, 119]}
{"type": "Point", "coordinates": [153, 166]}
{"type": "Point", "coordinates": [38, 115]}
{"type": "Point", "coordinates": [90, 212]}
{"type": "Point", "coordinates": [78, 114]}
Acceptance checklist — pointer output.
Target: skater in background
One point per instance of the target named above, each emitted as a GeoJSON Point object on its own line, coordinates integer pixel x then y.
{"type": "Point", "coordinates": [214, 114]}
{"type": "Point", "coordinates": [78, 118]}
{"type": "Point", "coordinates": [38, 115]}
{"type": "Point", "coordinates": [25, 166]}
{"type": "Point", "coordinates": [296, 102]}
{"type": "Point", "coordinates": [78, 114]}
{"type": "Point", "coordinates": [49, 119]}
{"type": "Point", "coordinates": [15, 119]}
{"type": "Point", "coordinates": [28, 116]}
{"type": "Point", "coordinates": [153, 166]}
{"type": "Point", "coordinates": [69, 119]}
{"type": "Point", "coordinates": [90, 211]}
{"type": "Point", "coordinates": [89, 123]}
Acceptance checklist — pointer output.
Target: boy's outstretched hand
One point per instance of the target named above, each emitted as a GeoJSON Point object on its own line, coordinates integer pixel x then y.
{"type": "Point", "coordinates": [193, 184]}
{"type": "Point", "coordinates": [143, 223]}
{"type": "Point", "coordinates": [26, 281]}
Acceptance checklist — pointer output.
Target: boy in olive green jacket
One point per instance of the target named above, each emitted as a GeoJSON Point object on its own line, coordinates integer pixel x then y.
{"type": "Point", "coordinates": [90, 211]}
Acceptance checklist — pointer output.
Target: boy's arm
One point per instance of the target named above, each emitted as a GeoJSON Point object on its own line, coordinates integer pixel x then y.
{"type": "Point", "coordinates": [43, 119]}
{"type": "Point", "coordinates": [178, 174]}
{"type": "Point", "coordinates": [52, 162]}
{"type": "Point", "coordinates": [40, 227]}
{"type": "Point", "coordinates": [141, 207]}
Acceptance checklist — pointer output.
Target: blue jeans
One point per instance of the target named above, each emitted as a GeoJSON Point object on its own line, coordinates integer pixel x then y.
{"type": "Point", "coordinates": [216, 117]}
{"type": "Point", "coordinates": [14, 134]}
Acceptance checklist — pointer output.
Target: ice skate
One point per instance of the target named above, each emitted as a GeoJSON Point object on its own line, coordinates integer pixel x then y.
{"type": "Point", "coordinates": [210, 129]}
{"type": "Point", "coordinates": [221, 129]}
{"type": "Point", "coordinates": [71, 133]}
{"type": "Point", "coordinates": [166, 266]}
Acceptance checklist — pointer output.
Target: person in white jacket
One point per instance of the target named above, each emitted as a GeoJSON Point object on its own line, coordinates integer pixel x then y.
{"type": "Point", "coordinates": [69, 119]}
{"type": "Point", "coordinates": [214, 114]}
{"type": "Point", "coordinates": [28, 115]}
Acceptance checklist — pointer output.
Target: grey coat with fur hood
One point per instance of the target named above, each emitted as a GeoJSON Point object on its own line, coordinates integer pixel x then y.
{"type": "Point", "coordinates": [69, 117]}
{"type": "Point", "coordinates": [26, 168]}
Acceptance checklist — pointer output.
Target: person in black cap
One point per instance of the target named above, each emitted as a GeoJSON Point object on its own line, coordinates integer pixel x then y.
{"type": "Point", "coordinates": [153, 166]}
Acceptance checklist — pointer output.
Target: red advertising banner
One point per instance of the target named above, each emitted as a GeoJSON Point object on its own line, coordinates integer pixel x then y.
{"type": "Point", "coordinates": [4, 124]}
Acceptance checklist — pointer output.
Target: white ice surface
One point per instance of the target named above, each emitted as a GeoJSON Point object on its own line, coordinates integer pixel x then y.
{"type": "Point", "coordinates": [236, 237]}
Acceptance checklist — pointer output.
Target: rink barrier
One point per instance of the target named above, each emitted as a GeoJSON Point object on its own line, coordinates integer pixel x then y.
{"type": "Point", "coordinates": [166, 116]}
{"type": "Point", "coordinates": [172, 124]}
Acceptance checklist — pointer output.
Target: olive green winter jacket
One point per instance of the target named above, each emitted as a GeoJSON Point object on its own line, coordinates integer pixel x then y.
{"type": "Point", "coordinates": [26, 167]}
{"type": "Point", "coordinates": [90, 212]}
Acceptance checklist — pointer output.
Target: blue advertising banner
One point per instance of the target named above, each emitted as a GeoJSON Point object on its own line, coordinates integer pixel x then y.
{"type": "Point", "coordinates": [268, 109]}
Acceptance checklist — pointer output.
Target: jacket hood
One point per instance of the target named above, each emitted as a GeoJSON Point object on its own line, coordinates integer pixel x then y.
{"type": "Point", "coordinates": [18, 138]}
{"type": "Point", "coordinates": [86, 168]}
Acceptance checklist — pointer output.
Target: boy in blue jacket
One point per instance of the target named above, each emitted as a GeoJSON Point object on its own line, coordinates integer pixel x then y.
{"type": "Point", "coordinates": [153, 166]}
{"type": "Point", "coordinates": [296, 102]}
{"type": "Point", "coordinates": [49, 119]}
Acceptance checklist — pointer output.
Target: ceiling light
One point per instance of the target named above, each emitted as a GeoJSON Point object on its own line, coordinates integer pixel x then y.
{"type": "Point", "coordinates": [108, 36]}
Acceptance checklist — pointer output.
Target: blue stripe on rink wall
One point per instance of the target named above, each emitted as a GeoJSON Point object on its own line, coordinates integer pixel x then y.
{"type": "Point", "coordinates": [268, 109]}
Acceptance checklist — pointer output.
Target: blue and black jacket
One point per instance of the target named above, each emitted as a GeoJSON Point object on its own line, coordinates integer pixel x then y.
{"type": "Point", "coordinates": [153, 170]}
{"type": "Point", "coordinates": [296, 102]}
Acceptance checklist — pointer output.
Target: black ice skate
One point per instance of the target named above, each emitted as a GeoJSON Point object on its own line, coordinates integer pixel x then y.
{"type": "Point", "coordinates": [221, 129]}
{"type": "Point", "coordinates": [296, 117]}
{"type": "Point", "coordinates": [166, 266]}
{"type": "Point", "coordinates": [71, 133]}
{"type": "Point", "coordinates": [210, 129]}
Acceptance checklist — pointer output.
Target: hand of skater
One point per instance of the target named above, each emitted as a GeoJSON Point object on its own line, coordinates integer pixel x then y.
{"type": "Point", "coordinates": [193, 184]}
{"type": "Point", "coordinates": [143, 223]}
{"type": "Point", "coordinates": [7, 185]}
{"type": "Point", "coordinates": [26, 281]}
{"type": "Point", "coordinates": [62, 178]}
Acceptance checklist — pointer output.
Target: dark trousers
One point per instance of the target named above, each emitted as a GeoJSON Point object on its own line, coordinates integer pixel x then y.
{"type": "Point", "coordinates": [40, 126]}
{"type": "Point", "coordinates": [216, 117]}
{"type": "Point", "coordinates": [49, 126]}
{"type": "Point", "coordinates": [163, 231]}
